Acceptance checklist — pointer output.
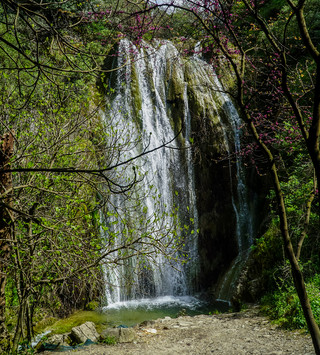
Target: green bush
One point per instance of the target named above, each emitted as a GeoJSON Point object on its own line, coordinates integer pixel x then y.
{"type": "Point", "coordinates": [92, 306]}
{"type": "Point", "coordinates": [284, 308]}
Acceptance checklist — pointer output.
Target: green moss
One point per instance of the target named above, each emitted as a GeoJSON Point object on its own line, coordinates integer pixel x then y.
{"type": "Point", "coordinates": [175, 99]}
{"type": "Point", "coordinates": [44, 324]}
{"type": "Point", "coordinates": [226, 76]}
{"type": "Point", "coordinates": [136, 96]}
{"type": "Point", "coordinates": [65, 325]}
{"type": "Point", "coordinates": [206, 110]}
{"type": "Point", "coordinates": [268, 249]}
{"type": "Point", "coordinates": [175, 83]}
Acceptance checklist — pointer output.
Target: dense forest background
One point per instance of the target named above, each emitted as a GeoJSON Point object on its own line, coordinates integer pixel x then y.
{"type": "Point", "coordinates": [60, 151]}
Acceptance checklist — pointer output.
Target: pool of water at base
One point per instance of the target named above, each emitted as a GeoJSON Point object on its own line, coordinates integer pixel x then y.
{"type": "Point", "coordinates": [130, 313]}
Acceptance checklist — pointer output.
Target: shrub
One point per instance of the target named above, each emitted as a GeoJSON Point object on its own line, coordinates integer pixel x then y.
{"type": "Point", "coordinates": [284, 308]}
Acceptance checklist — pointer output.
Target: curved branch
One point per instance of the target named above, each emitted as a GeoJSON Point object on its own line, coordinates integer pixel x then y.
{"type": "Point", "coordinates": [98, 172]}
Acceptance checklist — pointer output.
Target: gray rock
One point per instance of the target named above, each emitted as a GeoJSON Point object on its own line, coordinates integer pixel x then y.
{"type": "Point", "coordinates": [110, 332]}
{"type": "Point", "coordinates": [59, 339]}
{"type": "Point", "coordinates": [84, 332]}
{"type": "Point", "coordinates": [127, 335]}
{"type": "Point", "coordinates": [122, 335]}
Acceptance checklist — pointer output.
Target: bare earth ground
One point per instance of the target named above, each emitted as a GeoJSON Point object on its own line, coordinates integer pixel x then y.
{"type": "Point", "coordinates": [223, 334]}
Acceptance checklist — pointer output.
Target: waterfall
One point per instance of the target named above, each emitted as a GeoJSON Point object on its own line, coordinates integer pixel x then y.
{"type": "Point", "coordinates": [155, 93]}
{"type": "Point", "coordinates": [140, 105]}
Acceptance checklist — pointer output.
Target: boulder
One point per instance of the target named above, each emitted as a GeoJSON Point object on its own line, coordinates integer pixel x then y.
{"type": "Point", "coordinates": [84, 332]}
{"type": "Point", "coordinates": [122, 335]}
{"type": "Point", "coordinates": [59, 339]}
{"type": "Point", "coordinates": [55, 342]}
{"type": "Point", "coordinates": [110, 333]}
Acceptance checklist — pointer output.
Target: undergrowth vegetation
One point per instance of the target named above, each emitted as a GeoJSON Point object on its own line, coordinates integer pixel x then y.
{"type": "Point", "coordinates": [284, 308]}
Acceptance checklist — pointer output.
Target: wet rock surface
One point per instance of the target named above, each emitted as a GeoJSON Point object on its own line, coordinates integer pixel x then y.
{"type": "Point", "coordinates": [224, 334]}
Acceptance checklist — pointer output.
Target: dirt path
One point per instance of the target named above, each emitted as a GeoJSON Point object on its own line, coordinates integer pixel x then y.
{"type": "Point", "coordinates": [224, 334]}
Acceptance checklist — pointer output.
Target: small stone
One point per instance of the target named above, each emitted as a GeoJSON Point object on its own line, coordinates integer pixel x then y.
{"type": "Point", "coordinates": [151, 331]}
{"type": "Point", "coordinates": [184, 324]}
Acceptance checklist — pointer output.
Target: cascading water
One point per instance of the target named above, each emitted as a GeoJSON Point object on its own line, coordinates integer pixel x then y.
{"type": "Point", "coordinates": [140, 103]}
{"type": "Point", "coordinates": [145, 105]}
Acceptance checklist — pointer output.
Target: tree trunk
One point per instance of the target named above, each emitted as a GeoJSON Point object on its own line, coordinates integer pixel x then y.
{"type": "Point", "coordinates": [295, 268]}
{"type": "Point", "coordinates": [305, 305]}
{"type": "Point", "coordinates": [6, 152]}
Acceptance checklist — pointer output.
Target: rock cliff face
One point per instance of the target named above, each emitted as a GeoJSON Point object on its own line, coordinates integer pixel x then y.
{"type": "Point", "coordinates": [183, 91]}
{"type": "Point", "coordinates": [211, 132]}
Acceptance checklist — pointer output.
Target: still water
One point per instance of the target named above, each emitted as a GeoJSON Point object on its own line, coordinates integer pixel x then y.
{"type": "Point", "coordinates": [130, 313]}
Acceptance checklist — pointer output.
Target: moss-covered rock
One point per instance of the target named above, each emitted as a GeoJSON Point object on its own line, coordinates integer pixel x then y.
{"type": "Point", "coordinates": [212, 135]}
{"type": "Point", "coordinates": [65, 325]}
{"type": "Point", "coordinates": [175, 88]}
{"type": "Point", "coordinates": [136, 97]}
{"type": "Point", "coordinates": [206, 106]}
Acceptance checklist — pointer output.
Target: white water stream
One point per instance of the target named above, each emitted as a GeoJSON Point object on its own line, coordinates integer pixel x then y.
{"type": "Point", "coordinates": [143, 112]}
{"type": "Point", "coordinates": [140, 103]}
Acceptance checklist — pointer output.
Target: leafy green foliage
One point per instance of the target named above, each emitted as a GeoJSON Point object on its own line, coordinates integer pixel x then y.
{"type": "Point", "coordinates": [267, 249]}
{"type": "Point", "coordinates": [284, 308]}
{"type": "Point", "coordinates": [65, 225]}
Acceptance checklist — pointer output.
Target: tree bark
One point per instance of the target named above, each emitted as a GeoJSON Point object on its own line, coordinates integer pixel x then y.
{"type": "Point", "coordinates": [6, 152]}
{"type": "Point", "coordinates": [295, 267]}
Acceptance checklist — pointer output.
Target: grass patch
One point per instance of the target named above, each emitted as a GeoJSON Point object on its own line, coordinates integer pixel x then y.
{"type": "Point", "coordinates": [110, 340]}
